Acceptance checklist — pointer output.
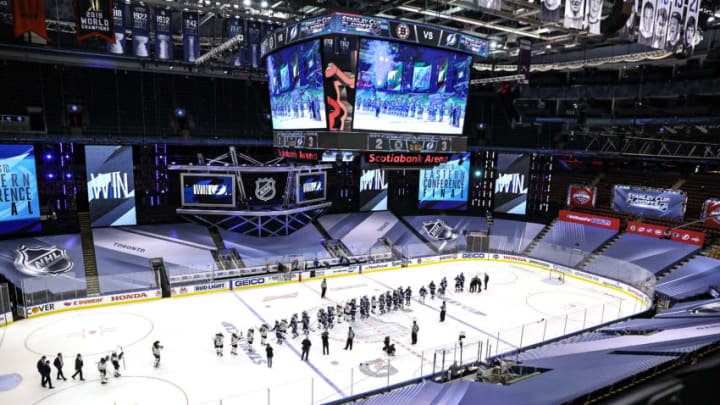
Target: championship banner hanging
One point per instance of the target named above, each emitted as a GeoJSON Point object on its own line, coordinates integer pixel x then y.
{"type": "Point", "coordinates": [235, 27]}
{"type": "Point", "coordinates": [647, 22]}
{"type": "Point", "coordinates": [649, 202]}
{"type": "Point", "coordinates": [550, 10]}
{"type": "Point", "coordinates": [524, 55]}
{"type": "Point", "coordinates": [191, 35]}
{"type": "Point", "coordinates": [117, 46]}
{"type": "Point", "coordinates": [141, 30]}
{"type": "Point", "coordinates": [491, 4]}
{"type": "Point", "coordinates": [94, 18]}
{"type": "Point", "coordinates": [29, 16]}
{"type": "Point", "coordinates": [581, 196]}
{"type": "Point", "coordinates": [254, 29]}
{"type": "Point", "coordinates": [574, 14]}
{"type": "Point", "coordinates": [163, 34]}
{"type": "Point", "coordinates": [661, 23]}
{"type": "Point", "coordinates": [711, 207]}
{"type": "Point", "coordinates": [691, 22]}
{"type": "Point", "coordinates": [672, 39]}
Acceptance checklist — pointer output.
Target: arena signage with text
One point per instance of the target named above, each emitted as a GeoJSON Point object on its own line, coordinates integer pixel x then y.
{"type": "Point", "coordinates": [589, 219]}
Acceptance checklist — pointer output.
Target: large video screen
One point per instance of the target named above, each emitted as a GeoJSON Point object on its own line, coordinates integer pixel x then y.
{"type": "Point", "coordinates": [511, 185]}
{"type": "Point", "coordinates": [110, 185]}
{"type": "Point", "coordinates": [295, 80]}
{"type": "Point", "coordinates": [19, 202]}
{"type": "Point", "coordinates": [373, 189]}
{"type": "Point", "coordinates": [208, 190]}
{"type": "Point", "coordinates": [445, 186]}
{"type": "Point", "coordinates": [409, 88]}
{"type": "Point", "coordinates": [311, 187]}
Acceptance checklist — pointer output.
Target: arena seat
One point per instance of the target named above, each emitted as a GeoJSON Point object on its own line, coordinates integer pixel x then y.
{"type": "Point", "coordinates": [512, 236]}
{"type": "Point", "coordinates": [565, 237]}
{"type": "Point", "coordinates": [123, 253]}
{"type": "Point", "coordinates": [652, 254]}
{"type": "Point", "coordinates": [306, 242]}
{"type": "Point", "coordinates": [360, 232]}
{"type": "Point", "coordinates": [692, 278]}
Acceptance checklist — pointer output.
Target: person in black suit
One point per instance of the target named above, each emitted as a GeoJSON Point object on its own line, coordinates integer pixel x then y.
{"type": "Point", "coordinates": [59, 363]}
{"type": "Point", "coordinates": [46, 370]}
{"type": "Point", "coordinates": [305, 348]}
{"type": "Point", "coordinates": [325, 342]}
{"type": "Point", "coordinates": [40, 367]}
{"type": "Point", "coordinates": [443, 310]}
{"type": "Point", "coordinates": [269, 352]}
{"type": "Point", "coordinates": [78, 367]}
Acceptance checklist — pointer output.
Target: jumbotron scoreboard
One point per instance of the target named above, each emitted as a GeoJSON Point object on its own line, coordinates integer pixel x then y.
{"type": "Point", "coordinates": [349, 82]}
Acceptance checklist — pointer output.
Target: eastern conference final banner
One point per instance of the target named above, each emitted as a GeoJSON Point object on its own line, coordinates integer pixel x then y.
{"type": "Point", "coordinates": [19, 202]}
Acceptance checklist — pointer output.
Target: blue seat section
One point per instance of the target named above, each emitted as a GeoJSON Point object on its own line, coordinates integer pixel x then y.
{"type": "Point", "coordinates": [360, 232]}
{"type": "Point", "coordinates": [564, 237]}
{"type": "Point", "coordinates": [513, 236]}
{"type": "Point", "coordinates": [655, 324]}
{"type": "Point", "coordinates": [69, 259]}
{"type": "Point", "coordinates": [699, 308]}
{"type": "Point", "coordinates": [676, 347]}
{"type": "Point", "coordinates": [459, 224]}
{"type": "Point", "coordinates": [123, 253]}
{"type": "Point", "coordinates": [652, 254]}
{"type": "Point", "coordinates": [306, 241]}
{"type": "Point", "coordinates": [692, 278]}
{"type": "Point", "coordinates": [423, 393]}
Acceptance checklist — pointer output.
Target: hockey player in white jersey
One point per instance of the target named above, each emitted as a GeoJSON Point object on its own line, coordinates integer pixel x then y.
{"type": "Point", "coordinates": [218, 340]}
{"type": "Point", "coordinates": [234, 339]}
{"type": "Point", "coordinates": [250, 337]}
{"type": "Point", "coordinates": [115, 360]}
{"type": "Point", "coordinates": [156, 348]}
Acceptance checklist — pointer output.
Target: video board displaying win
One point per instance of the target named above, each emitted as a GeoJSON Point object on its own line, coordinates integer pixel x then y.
{"type": "Point", "coordinates": [295, 80]}
{"type": "Point", "coordinates": [410, 88]}
{"type": "Point", "coordinates": [511, 185]}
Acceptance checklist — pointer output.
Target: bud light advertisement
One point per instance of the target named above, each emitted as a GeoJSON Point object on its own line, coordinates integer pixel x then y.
{"type": "Point", "coordinates": [19, 202]}
{"type": "Point", "coordinates": [311, 187]}
{"type": "Point", "coordinates": [511, 185]}
{"type": "Point", "coordinates": [649, 202]}
{"type": "Point", "coordinates": [208, 190]}
{"type": "Point", "coordinates": [445, 186]}
{"type": "Point", "coordinates": [110, 185]}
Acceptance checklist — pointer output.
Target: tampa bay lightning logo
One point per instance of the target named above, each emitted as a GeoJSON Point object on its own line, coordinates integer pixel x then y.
{"type": "Point", "coordinates": [293, 32]}
{"type": "Point", "coordinates": [451, 40]}
{"type": "Point", "coordinates": [265, 188]}
{"type": "Point", "coordinates": [42, 260]}
{"type": "Point", "coordinates": [438, 230]}
{"type": "Point", "coordinates": [377, 368]}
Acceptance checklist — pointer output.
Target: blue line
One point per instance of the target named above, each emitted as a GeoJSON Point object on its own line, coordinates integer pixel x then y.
{"type": "Point", "coordinates": [449, 316]}
{"type": "Point", "coordinates": [293, 349]}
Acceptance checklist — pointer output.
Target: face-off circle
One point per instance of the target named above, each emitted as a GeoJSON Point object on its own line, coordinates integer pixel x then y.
{"type": "Point", "coordinates": [91, 334]}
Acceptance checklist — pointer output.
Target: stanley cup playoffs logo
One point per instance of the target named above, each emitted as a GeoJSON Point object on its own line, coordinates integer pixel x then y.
{"type": "Point", "coordinates": [42, 260]}
{"type": "Point", "coordinates": [265, 188]}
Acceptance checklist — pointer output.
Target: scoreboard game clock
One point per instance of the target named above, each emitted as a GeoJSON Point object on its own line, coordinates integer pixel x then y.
{"type": "Point", "coordinates": [375, 142]}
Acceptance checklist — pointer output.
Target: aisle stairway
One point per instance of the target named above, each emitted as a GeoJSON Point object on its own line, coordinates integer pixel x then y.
{"type": "Point", "coordinates": [88, 247]}
{"type": "Point", "coordinates": [599, 251]}
{"type": "Point", "coordinates": [539, 237]}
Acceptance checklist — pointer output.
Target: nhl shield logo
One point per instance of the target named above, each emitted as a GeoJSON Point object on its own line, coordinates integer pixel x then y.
{"type": "Point", "coordinates": [438, 230]}
{"type": "Point", "coordinates": [42, 260]}
{"type": "Point", "coordinates": [265, 188]}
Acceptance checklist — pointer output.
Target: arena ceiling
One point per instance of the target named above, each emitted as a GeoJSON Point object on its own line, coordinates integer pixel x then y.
{"type": "Point", "coordinates": [516, 19]}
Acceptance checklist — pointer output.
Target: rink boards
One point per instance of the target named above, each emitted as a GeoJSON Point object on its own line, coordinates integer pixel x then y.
{"type": "Point", "coordinates": [299, 276]}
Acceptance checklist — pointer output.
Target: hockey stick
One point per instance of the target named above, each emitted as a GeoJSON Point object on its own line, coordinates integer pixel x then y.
{"type": "Point", "coordinates": [123, 357]}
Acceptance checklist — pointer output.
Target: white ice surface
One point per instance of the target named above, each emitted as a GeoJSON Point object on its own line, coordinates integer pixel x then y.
{"type": "Point", "coordinates": [190, 373]}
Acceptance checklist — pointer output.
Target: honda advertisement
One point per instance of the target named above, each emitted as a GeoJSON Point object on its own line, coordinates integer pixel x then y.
{"type": "Point", "coordinates": [581, 196]}
{"type": "Point", "coordinates": [649, 202]}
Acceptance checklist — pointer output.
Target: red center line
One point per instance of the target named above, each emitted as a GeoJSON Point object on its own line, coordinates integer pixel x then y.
{"type": "Point", "coordinates": [373, 327]}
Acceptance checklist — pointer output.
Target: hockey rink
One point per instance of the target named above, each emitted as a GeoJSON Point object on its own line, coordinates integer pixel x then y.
{"type": "Point", "coordinates": [521, 306]}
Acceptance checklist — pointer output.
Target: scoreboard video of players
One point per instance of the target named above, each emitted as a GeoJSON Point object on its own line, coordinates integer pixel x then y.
{"type": "Point", "coordinates": [367, 83]}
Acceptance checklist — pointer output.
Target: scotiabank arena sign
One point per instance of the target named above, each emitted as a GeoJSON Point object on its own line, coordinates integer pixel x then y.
{"type": "Point", "coordinates": [407, 158]}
